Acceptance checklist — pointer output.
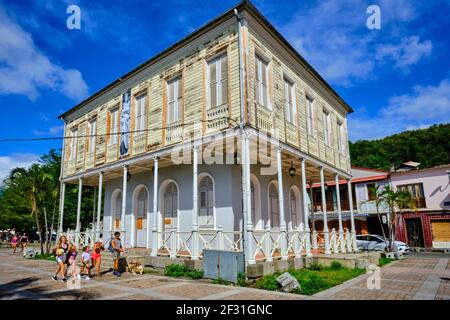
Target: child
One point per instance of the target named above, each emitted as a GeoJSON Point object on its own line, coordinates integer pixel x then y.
{"type": "Point", "coordinates": [117, 248]}
{"type": "Point", "coordinates": [96, 256]}
{"type": "Point", "coordinates": [86, 262]}
{"type": "Point", "coordinates": [72, 259]}
{"type": "Point", "coordinates": [14, 242]}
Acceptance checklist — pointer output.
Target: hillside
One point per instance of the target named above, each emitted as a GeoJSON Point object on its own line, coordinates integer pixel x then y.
{"type": "Point", "coordinates": [430, 147]}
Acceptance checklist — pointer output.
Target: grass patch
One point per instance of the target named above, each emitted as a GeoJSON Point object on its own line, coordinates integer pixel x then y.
{"type": "Point", "coordinates": [46, 256]}
{"type": "Point", "coordinates": [384, 261]}
{"type": "Point", "coordinates": [178, 270]}
{"type": "Point", "coordinates": [314, 279]}
{"type": "Point", "coordinates": [221, 281]}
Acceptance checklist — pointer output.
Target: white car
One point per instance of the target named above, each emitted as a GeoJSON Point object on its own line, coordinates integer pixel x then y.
{"type": "Point", "coordinates": [373, 242]}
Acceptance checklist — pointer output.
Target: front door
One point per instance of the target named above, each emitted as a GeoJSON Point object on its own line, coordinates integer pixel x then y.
{"type": "Point", "coordinates": [415, 234]}
{"type": "Point", "coordinates": [141, 218]}
{"type": "Point", "coordinates": [170, 222]}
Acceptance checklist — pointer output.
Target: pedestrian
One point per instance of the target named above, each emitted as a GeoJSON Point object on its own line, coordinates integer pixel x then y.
{"type": "Point", "coordinates": [72, 258]}
{"type": "Point", "coordinates": [86, 263]}
{"type": "Point", "coordinates": [60, 252]}
{"type": "Point", "coordinates": [115, 246]}
{"type": "Point", "coordinates": [24, 241]}
{"type": "Point", "coordinates": [96, 256]}
{"type": "Point", "coordinates": [14, 241]}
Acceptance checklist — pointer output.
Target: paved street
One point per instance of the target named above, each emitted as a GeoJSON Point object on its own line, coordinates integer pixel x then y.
{"type": "Point", "coordinates": [418, 277]}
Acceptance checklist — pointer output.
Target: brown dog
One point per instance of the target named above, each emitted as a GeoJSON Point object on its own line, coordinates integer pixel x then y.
{"type": "Point", "coordinates": [135, 267]}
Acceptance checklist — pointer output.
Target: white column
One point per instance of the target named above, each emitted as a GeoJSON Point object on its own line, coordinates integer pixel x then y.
{"type": "Point", "coordinates": [155, 227]}
{"type": "Point", "coordinates": [61, 207]}
{"type": "Point", "coordinates": [148, 240]}
{"type": "Point", "coordinates": [281, 206]}
{"type": "Point", "coordinates": [341, 230]}
{"type": "Point", "coordinates": [247, 193]}
{"type": "Point", "coordinates": [94, 207]}
{"type": "Point", "coordinates": [124, 204]}
{"type": "Point", "coordinates": [195, 244]}
{"type": "Point", "coordinates": [352, 218]}
{"type": "Point", "coordinates": [305, 211]}
{"type": "Point", "coordinates": [78, 225]}
{"type": "Point", "coordinates": [326, 234]}
{"type": "Point", "coordinates": [99, 205]}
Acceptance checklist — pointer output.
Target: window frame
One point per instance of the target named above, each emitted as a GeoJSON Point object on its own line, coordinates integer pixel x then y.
{"type": "Point", "coordinates": [73, 143]}
{"type": "Point", "coordinates": [113, 130]}
{"type": "Point", "coordinates": [326, 122]}
{"type": "Point", "coordinates": [340, 135]}
{"type": "Point", "coordinates": [177, 99]}
{"type": "Point", "coordinates": [140, 119]}
{"type": "Point", "coordinates": [210, 210]}
{"type": "Point", "coordinates": [290, 107]}
{"type": "Point", "coordinates": [219, 81]}
{"type": "Point", "coordinates": [260, 62]}
{"type": "Point", "coordinates": [92, 134]}
{"type": "Point", "coordinates": [309, 115]}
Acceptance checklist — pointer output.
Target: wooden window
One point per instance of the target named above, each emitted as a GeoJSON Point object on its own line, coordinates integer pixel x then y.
{"type": "Point", "coordinates": [141, 208]}
{"type": "Point", "coordinates": [340, 138]}
{"type": "Point", "coordinates": [326, 127]}
{"type": "Point", "coordinates": [416, 191]}
{"type": "Point", "coordinates": [371, 191]}
{"type": "Point", "coordinates": [218, 81]}
{"type": "Point", "coordinates": [289, 101]}
{"type": "Point", "coordinates": [73, 144]}
{"type": "Point", "coordinates": [262, 79]}
{"type": "Point", "coordinates": [170, 206]}
{"type": "Point", "coordinates": [310, 115]}
{"type": "Point", "coordinates": [274, 209]}
{"type": "Point", "coordinates": [206, 212]}
{"type": "Point", "coordinates": [140, 111]}
{"type": "Point", "coordinates": [113, 126]}
{"type": "Point", "coordinates": [92, 134]}
{"type": "Point", "coordinates": [174, 102]}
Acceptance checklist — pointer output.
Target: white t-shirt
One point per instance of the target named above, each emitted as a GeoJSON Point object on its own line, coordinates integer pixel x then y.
{"type": "Point", "coordinates": [86, 256]}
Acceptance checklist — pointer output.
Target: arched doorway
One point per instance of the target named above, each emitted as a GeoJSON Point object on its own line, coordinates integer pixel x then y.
{"type": "Point", "coordinates": [206, 202]}
{"type": "Point", "coordinates": [116, 209]}
{"type": "Point", "coordinates": [256, 203]}
{"type": "Point", "coordinates": [274, 209]}
{"type": "Point", "coordinates": [170, 207]}
{"type": "Point", "coordinates": [294, 208]}
{"type": "Point", "coordinates": [140, 214]}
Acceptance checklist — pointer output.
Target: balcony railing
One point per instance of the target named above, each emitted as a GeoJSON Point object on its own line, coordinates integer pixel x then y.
{"type": "Point", "coordinates": [174, 133]}
{"type": "Point", "coordinates": [112, 152]}
{"type": "Point", "coordinates": [291, 133]}
{"type": "Point", "coordinates": [217, 118]}
{"type": "Point", "coordinates": [90, 160]}
{"type": "Point", "coordinates": [139, 140]}
{"type": "Point", "coordinates": [264, 119]}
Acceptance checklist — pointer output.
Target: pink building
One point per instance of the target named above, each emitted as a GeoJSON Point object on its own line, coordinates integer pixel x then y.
{"type": "Point", "coordinates": [429, 225]}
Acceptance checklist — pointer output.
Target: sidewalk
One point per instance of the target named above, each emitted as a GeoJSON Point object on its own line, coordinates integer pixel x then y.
{"type": "Point", "coordinates": [417, 277]}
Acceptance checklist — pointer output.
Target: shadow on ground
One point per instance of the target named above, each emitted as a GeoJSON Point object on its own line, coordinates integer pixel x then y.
{"type": "Point", "coordinates": [18, 290]}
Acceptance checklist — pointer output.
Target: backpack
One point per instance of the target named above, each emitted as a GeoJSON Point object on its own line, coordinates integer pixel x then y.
{"type": "Point", "coordinates": [110, 247]}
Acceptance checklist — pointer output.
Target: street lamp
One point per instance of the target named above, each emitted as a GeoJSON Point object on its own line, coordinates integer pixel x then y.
{"type": "Point", "coordinates": [292, 170]}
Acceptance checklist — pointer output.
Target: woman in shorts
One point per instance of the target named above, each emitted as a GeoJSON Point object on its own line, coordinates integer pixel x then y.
{"type": "Point", "coordinates": [14, 242]}
{"type": "Point", "coordinates": [60, 251]}
{"type": "Point", "coordinates": [96, 256]}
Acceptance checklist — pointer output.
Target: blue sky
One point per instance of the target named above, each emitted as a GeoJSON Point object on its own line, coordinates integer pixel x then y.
{"type": "Point", "coordinates": [396, 78]}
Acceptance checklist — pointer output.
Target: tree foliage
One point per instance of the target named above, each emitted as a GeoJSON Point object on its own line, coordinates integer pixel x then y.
{"type": "Point", "coordinates": [430, 147]}
{"type": "Point", "coordinates": [29, 199]}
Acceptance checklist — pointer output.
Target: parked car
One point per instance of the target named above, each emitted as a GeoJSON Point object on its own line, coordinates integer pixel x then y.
{"type": "Point", "coordinates": [373, 242]}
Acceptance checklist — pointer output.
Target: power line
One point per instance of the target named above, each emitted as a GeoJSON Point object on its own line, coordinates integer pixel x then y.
{"type": "Point", "coordinates": [117, 133]}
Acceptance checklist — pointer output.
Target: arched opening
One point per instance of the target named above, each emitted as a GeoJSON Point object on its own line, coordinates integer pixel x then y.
{"type": "Point", "coordinates": [294, 207]}
{"type": "Point", "coordinates": [256, 203]}
{"type": "Point", "coordinates": [170, 207]}
{"type": "Point", "coordinates": [274, 209]}
{"type": "Point", "coordinates": [206, 201]}
{"type": "Point", "coordinates": [116, 209]}
{"type": "Point", "coordinates": [140, 214]}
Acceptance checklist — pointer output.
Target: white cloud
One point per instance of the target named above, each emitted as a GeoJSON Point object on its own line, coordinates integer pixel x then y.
{"type": "Point", "coordinates": [24, 69]}
{"type": "Point", "coordinates": [54, 130]}
{"type": "Point", "coordinates": [333, 37]}
{"type": "Point", "coordinates": [7, 163]}
{"type": "Point", "coordinates": [424, 106]}
{"type": "Point", "coordinates": [407, 53]}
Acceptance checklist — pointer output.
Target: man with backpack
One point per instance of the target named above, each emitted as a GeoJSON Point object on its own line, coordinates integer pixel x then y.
{"type": "Point", "coordinates": [116, 248]}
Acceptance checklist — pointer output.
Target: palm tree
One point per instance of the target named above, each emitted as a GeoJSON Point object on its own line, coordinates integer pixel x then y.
{"type": "Point", "coordinates": [30, 183]}
{"type": "Point", "coordinates": [396, 200]}
{"type": "Point", "coordinates": [378, 200]}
